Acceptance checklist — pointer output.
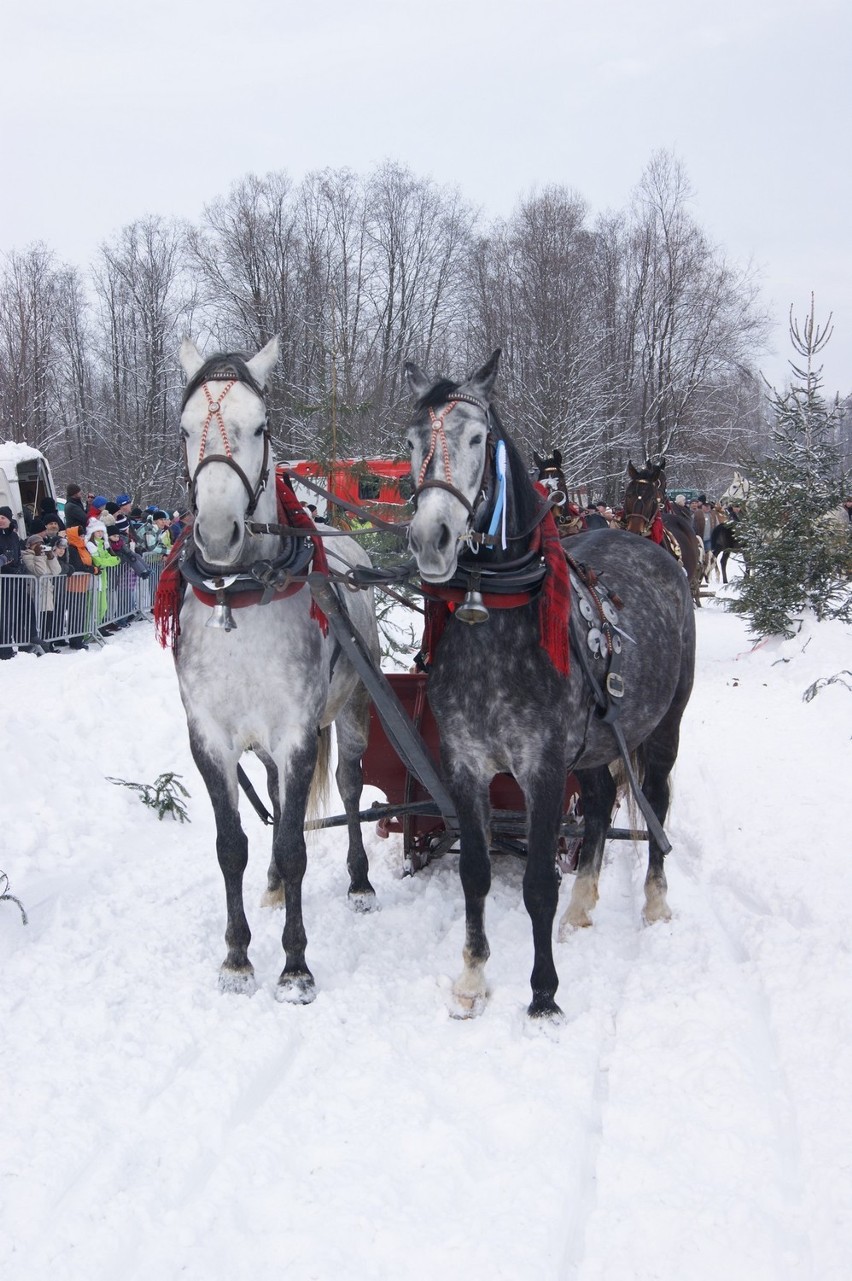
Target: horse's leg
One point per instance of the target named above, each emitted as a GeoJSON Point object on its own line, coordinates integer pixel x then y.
{"type": "Point", "coordinates": [723, 565]}
{"type": "Point", "coordinates": [220, 777]}
{"type": "Point", "coordinates": [541, 882]}
{"type": "Point", "coordinates": [470, 793]}
{"type": "Point", "coordinates": [295, 771]}
{"type": "Point", "coordinates": [660, 754]}
{"type": "Point", "coordinates": [273, 895]}
{"type": "Point", "coordinates": [352, 727]}
{"type": "Point", "coordinates": [598, 791]}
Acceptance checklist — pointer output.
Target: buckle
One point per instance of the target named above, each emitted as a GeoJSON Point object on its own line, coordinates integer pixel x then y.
{"type": "Point", "coordinates": [615, 685]}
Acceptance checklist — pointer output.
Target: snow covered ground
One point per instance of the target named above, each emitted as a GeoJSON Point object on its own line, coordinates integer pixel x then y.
{"type": "Point", "coordinates": [690, 1120]}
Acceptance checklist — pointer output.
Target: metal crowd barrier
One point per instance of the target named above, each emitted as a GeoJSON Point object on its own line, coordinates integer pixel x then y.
{"type": "Point", "coordinates": [73, 608]}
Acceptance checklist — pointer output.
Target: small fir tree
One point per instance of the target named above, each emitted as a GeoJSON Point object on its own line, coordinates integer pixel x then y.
{"type": "Point", "coordinates": [796, 550]}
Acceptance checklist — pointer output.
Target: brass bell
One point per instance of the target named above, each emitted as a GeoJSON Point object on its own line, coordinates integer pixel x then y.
{"type": "Point", "coordinates": [472, 609]}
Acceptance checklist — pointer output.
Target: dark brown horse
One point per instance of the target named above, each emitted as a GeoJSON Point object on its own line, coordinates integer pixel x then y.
{"type": "Point", "coordinates": [550, 474]}
{"type": "Point", "coordinates": [647, 512]}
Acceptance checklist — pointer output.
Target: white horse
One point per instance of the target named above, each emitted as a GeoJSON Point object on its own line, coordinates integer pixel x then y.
{"type": "Point", "coordinates": [276, 682]}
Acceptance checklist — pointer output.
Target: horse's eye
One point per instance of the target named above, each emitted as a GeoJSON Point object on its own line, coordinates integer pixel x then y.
{"type": "Point", "coordinates": [184, 433]}
{"type": "Point", "coordinates": [476, 440]}
{"type": "Point", "coordinates": [259, 430]}
{"type": "Point", "coordinates": [409, 444]}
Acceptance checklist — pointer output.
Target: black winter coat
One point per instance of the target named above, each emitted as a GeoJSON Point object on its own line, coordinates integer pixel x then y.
{"type": "Point", "coordinates": [10, 548]}
{"type": "Point", "coordinates": [75, 513]}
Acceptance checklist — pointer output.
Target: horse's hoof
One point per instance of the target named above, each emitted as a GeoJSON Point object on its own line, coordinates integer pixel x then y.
{"type": "Point", "coordinates": [239, 982]}
{"type": "Point", "coordinates": [363, 901]}
{"type": "Point", "coordinates": [573, 921]}
{"type": "Point", "coordinates": [656, 911]}
{"type": "Point", "coordinates": [545, 1008]}
{"type": "Point", "coordinates": [467, 1005]}
{"type": "Point", "coordinates": [296, 989]}
{"type": "Point", "coordinates": [273, 898]}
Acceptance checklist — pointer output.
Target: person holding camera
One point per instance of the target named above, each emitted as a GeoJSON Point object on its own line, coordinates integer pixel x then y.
{"type": "Point", "coordinates": [43, 563]}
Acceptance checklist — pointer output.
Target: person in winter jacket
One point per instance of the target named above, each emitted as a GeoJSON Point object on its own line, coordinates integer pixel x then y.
{"type": "Point", "coordinates": [79, 589]}
{"type": "Point", "coordinates": [43, 564]}
{"type": "Point", "coordinates": [103, 560]}
{"type": "Point", "coordinates": [75, 507]}
{"type": "Point", "coordinates": [153, 536]}
{"type": "Point", "coordinates": [10, 563]}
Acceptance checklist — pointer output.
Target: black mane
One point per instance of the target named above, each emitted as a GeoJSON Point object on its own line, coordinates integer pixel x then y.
{"type": "Point", "coordinates": [224, 364]}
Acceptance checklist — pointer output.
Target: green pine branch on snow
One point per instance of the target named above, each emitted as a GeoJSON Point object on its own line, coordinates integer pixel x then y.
{"type": "Point", "coordinates": [161, 796]}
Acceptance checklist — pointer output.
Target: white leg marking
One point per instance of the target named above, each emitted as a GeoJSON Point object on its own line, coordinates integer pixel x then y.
{"type": "Point", "coordinates": [656, 906]}
{"type": "Point", "coordinates": [584, 896]}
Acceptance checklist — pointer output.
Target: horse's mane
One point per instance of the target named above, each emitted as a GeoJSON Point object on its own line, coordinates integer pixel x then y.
{"type": "Point", "coordinates": [523, 499]}
{"type": "Point", "coordinates": [230, 364]}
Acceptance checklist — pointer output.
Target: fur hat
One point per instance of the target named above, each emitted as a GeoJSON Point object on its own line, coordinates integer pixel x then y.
{"type": "Point", "coordinates": [95, 526]}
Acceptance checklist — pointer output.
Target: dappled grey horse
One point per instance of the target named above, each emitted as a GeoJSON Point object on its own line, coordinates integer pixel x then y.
{"type": "Point", "coordinates": [501, 694]}
{"type": "Point", "coordinates": [269, 684]}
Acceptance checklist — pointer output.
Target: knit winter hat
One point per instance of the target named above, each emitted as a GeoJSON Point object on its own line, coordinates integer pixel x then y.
{"type": "Point", "coordinates": [7, 512]}
{"type": "Point", "coordinates": [99, 502]}
{"type": "Point", "coordinates": [121, 499]}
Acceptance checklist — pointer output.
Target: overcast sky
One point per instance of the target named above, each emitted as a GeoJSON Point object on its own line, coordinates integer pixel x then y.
{"type": "Point", "coordinates": [110, 111]}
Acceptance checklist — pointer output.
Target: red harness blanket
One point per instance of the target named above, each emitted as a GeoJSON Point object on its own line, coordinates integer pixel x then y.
{"type": "Point", "coordinates": [172, 586]}
{"type": "Point", "coordinates": [554, 602]}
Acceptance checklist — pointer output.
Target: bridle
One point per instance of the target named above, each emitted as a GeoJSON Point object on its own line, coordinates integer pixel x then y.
{"type": "Point", "coordinates": [439, 437]}
{"type": "Point", "coordinates": [643, 500]}
{"type": "Point", "coordinates": [230, 377]}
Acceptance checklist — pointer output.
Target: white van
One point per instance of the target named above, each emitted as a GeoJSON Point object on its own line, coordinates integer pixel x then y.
{"type": "Point", "coordinates": [25, 479]}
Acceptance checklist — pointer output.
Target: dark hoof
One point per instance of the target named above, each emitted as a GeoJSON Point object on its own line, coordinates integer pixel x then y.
{"type": "Point", "coordinates": [363, 900]}
{"type": "Point", "coordinates": [241, 982]}
{"type": "Point", "coordinates": [296, 989]}
{"type": "Point", "coordinates": [544, 1007]}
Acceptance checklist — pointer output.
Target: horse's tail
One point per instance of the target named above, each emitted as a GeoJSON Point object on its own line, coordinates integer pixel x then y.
{"type": "Point", "coordinates": [320, 783]}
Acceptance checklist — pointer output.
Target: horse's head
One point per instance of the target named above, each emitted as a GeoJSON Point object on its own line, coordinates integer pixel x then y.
{"type": "Point", "coordinates": [225, 437]}
{"type": "Point", "coordinates": [644, 496]}
{"type": "Point", "coordinates": [448, 440]}
{"type": "Point", "coordinates": [549, 473]}
{"type": "Point", "coordinates": [737, 492]}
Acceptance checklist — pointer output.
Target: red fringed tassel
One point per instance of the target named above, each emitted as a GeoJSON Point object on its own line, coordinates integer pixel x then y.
{"type": "Point", "coordinates": [658, 529]}
{"type": "Point", "coordinates": [291, 512]}
{"type": "Point", "coordinates": [437, 616]}
{"type": "Point", "coordinates": [555, 599]}
{"type": "Point", "coordinates": [169, 597]}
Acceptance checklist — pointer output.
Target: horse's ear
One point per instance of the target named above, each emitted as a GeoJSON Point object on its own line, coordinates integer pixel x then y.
{"type": "Point", "coordinates": [264, 362]}
{"type": "Point", "coordinates": [662, 464]}
{"type": "Point", "coordinates": [538, 460]}
{"type": "Point", "coordinates": [557, 457]}
{"type": "Point", "coordinates": [481, 383]}
{"type": "Point", "coordinates": [418, 382]}
{"type": "Point", "coordinates": [190, 358]}
{"type": "Point", "coordinates": [631, 471]}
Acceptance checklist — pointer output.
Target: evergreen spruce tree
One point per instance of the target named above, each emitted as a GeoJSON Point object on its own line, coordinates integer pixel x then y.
{"type": "Point", "coordinates": [797, 552]}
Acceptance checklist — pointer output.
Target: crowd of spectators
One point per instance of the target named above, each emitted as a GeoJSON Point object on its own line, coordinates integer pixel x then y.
{"type": "Point", "coordinates": [92, 536]}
